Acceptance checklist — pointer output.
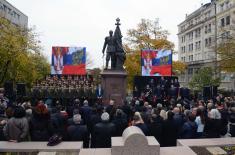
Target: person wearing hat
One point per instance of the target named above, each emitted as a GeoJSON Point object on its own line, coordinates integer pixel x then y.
{"type": "Point", "coordinates": [78, 132]}
{"type": "Point", "coordinates": [103, 132]}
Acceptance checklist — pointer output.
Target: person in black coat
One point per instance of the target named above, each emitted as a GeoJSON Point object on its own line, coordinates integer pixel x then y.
{"type": "Point", "coordinates": [78, 132]}
{"type": "Point", "coordinates": [224, 118]}
{"type": "Point", "coordinates": [213, 124]}
{"type": "Point", "coordinates": [178, 119]}
{"type": "Point", "coordinates": [169, 131]}
{"type": "Point", "coordinates": [127, 110]}
{"type": "Point", "coordinates": [232, 122]}
{"type": "Point", "coordinates": [120, 122]}
{"type": "Point", "coordinates": [110, 108]}
{"type": "Point", "coordinates": [103, 132]}
{"type": "Point", "coordinates": [59, 122]}
{"type": "Point", "coordinates": [86, 112]}
{"type": "Point", "coordinates": [189, 129]}
{"type": "Point", "coordinates": [94, 119]}
{"type": "Point", "coordinates": [155, 127]}
{"type": "Point", "coordinates": [40, 125]}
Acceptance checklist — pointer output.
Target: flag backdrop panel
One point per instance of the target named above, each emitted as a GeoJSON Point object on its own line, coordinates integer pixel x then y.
{"type": "Point", "coordinates": [68, 60]}
{"type": "Point", "coordinates": [156, 62]}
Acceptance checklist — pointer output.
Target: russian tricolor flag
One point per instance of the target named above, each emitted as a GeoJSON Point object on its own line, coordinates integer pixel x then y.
{"type": "Point", "coordinates": [68, 60]}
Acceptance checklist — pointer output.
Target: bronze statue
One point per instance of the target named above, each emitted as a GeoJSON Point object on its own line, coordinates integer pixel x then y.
{"type": "Point", "coordinates": [115, 49]}
{"type": "Point", "coordinates": [110, 52]}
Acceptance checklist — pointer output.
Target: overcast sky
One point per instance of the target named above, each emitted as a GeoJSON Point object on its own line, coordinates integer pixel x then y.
{"type": "Point", "coordinates": [86, 22]}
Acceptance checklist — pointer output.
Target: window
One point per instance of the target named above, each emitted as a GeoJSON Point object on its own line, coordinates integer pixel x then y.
{"type": "Point", "coordinates": [222, 22]}
{"type": "Point", "coordinates": [190, 71]}
{"type": "Point", "coordinates": [9, 10]}
{"type": "Point", "coordinates": [190, 36]}
{"type": "Point", "coordinates": [190, 47]}
{"type": "Point", "coordinates": [206, 42]}
{"type": "Point", "coordinates": [209, 41]}
{"type": "Point", "coordinates": [209, 28]}
{"type": "Point", "coordinates": [198, 32]}
{"type": "Point", "coordinates": [228, 20]}
{"type": "Point", "coordinates": [205, 29]}
{"type": "Point", "coordinates": [5, 8]}
{"type": "Point", "coordinates": [183, 39]}
{"type": "Point", "coordinates": [199, 45]}
{"type": "Point", "coordinates": [183, 59]}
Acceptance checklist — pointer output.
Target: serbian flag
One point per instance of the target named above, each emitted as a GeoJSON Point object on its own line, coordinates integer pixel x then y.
{"type": "Point", "coordinates": [68, 60]}
{"type": "Point", "coordinates": [156, 62]}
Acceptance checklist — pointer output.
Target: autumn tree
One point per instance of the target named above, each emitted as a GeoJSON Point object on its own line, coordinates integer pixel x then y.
{"type": "Point", "coordinates": [178, 67]}
{"type": "Point", "coordinates": [203, 78]}
{"type": "Point", "coordinates": [147, 34]}
{"type": "Point", "coordinates": [21, 59]}
{"type": "Point", "coordinates": [95, 72]}
{"type": "Point", "coordinates": [226, 53]}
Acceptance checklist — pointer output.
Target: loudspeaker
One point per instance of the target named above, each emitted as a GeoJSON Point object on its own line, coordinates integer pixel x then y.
{"type": "Point", "coordinates": [184, 92]}
{"type": "Point", "coordinates": [8, 87]}
{"type": "Point", "coordinates": [207, 92]}
{"type": "Point", "coordinates": [214, 90]}
{"type": "Point", "coordinates": [21, 89]}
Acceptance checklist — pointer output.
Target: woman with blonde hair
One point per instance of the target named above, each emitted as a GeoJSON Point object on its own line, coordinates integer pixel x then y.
{"type": "Point", "coordinates": [138, 122]}
{"type": "Point", "coordinates": [213, 124]}
{"type": "Point", "coordinates": [163, 114]}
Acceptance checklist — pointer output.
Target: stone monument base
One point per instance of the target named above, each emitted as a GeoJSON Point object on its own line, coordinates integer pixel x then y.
{"type": "Point", "coordinates": [114, 85]}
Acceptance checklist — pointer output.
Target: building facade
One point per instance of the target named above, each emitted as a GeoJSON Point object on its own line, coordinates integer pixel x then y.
{"type": "Point", "coordinates": [199, 36]}
{"type": "Point", "coordinates": [11, 13]}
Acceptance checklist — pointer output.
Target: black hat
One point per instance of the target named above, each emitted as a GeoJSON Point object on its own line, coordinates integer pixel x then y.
{"type": "Point", "coordinates": [54, 140]}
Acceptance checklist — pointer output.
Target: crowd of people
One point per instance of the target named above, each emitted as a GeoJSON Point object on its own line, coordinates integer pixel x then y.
{"type": "Point", "coordinates": [66, 88]}
{"type": "Point", "coordinates": [95, 123]}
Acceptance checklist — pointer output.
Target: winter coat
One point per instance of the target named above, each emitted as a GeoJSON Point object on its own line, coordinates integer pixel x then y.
{"type": "Point", "coordinates": [102, 134]}
{"type": "Point", "coordinates": [169, 133]}
{"type": "Point", "coordinates": [189, 130]}
{"type": "Point", "coordinates": [78, 132]}
{"type": "Point", "coordinates": [17, 129]}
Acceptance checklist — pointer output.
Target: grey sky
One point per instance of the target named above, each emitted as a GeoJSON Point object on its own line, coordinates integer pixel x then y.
{"type": "Point", "coordinates": [87, 22]}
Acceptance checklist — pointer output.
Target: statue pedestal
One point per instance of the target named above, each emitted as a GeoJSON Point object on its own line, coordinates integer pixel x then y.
{"type": "Point", "coordinates": [114, 85]}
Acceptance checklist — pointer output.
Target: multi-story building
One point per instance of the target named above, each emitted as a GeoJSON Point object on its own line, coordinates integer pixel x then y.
{"type": "Point", "coordinates": [226, 30]}
{"type": "Point", "coordinates": [199, 36]}
{"type": "Point", "coordinates": [13, 14]}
